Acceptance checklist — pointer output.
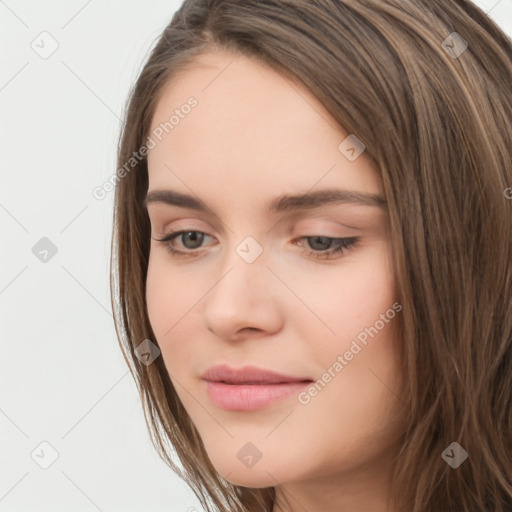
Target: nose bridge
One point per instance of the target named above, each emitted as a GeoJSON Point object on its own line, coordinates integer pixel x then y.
{"type": "Point", "coordinates": [240, 296]}
{"type": "Point", "coordinates": [243, 271]}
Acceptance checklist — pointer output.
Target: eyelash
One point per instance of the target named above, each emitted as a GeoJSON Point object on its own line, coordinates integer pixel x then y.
{"type": "Point", "coordinates": [343, 245]}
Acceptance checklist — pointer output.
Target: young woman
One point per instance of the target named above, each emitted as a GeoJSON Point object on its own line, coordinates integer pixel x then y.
{"type": "Point", "coordinates": [311, 259]}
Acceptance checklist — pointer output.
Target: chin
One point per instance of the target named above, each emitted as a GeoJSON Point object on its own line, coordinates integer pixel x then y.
{"type": "Point", "coordinates": [260, 475]}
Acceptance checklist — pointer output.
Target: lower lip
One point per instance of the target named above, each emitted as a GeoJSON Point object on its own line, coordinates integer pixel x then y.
{"type": "Point", "coordinates": [250, 397]}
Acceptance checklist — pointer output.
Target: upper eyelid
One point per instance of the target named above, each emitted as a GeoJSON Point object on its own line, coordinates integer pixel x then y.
{"type": "Point", "coordinates": [156, 211]}
{"type": "Point", "coordinates": [331, 220]}
{"type": "Point", "coordinates": [312, 232]}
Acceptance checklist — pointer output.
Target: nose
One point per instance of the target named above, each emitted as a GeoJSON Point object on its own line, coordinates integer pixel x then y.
{"type": "Point", "coordinates": [245, 300]}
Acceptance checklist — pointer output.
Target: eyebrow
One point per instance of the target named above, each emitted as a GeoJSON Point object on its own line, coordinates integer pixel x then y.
{"type": "Point", "coordinates": [280, 204]}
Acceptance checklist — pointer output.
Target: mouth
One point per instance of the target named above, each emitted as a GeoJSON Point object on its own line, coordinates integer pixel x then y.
{"type": "Point", "coordinates": [250, 388]}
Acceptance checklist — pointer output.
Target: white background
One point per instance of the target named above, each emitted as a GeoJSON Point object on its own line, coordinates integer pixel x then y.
{"type": "Point", "coordinates": [64, 380]}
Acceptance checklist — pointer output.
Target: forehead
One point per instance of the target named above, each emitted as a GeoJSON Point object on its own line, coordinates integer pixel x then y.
{"type": "Point", "coordinates": [252, 130]}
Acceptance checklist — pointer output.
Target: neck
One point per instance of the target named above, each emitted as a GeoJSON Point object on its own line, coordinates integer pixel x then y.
{"type": "Point", "coordinates": [366, 489]}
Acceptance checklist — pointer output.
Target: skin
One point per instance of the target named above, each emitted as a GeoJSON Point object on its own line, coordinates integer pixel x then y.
{"type": "Point", "coordinates": [255, 135]}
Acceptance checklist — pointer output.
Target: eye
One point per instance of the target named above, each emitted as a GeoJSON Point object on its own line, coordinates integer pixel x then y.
{"type": "Point", "coordinates": [191, 239]}
{"type": "Point", "coordinates": [325, 247]}
{"type": "Point", "coordinates": [321, 247]}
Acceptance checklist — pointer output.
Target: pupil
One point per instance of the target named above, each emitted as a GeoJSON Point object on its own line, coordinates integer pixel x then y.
{"type": "Point", "coordinates": [325, 245]}
{"type": "Point", "coordinates": [195, 237]}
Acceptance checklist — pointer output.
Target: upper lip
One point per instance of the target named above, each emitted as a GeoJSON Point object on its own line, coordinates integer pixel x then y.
{"type": "Point", "coordinates": [247, 375]}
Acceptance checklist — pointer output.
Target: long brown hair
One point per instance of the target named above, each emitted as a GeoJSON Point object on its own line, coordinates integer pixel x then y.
{"type": "Point", "coordinates": [426, 85]}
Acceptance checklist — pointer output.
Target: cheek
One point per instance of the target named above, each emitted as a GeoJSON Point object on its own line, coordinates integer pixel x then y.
{"type": "Point", "coordinates": [369, 292]}
{"type": "Point", "coordinates": [356, 304]}
{"type": "Point", "coordinates": [170, 297]}
{"type": "Point", "coordinates": [170, 294]}
{"type": "Point", "coordinates": [347, 298]}
{"type": "Point", "coordinates": [160, 303]}
{"type": "Point", "coordinates": [174, 298]}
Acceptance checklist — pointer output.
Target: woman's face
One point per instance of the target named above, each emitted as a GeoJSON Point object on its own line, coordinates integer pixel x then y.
{"type": "Point", "coordinates": [265, 287]}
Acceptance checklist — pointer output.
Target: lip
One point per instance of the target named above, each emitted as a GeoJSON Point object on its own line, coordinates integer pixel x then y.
{"type": "Point", "coordinates": [249, 388]}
